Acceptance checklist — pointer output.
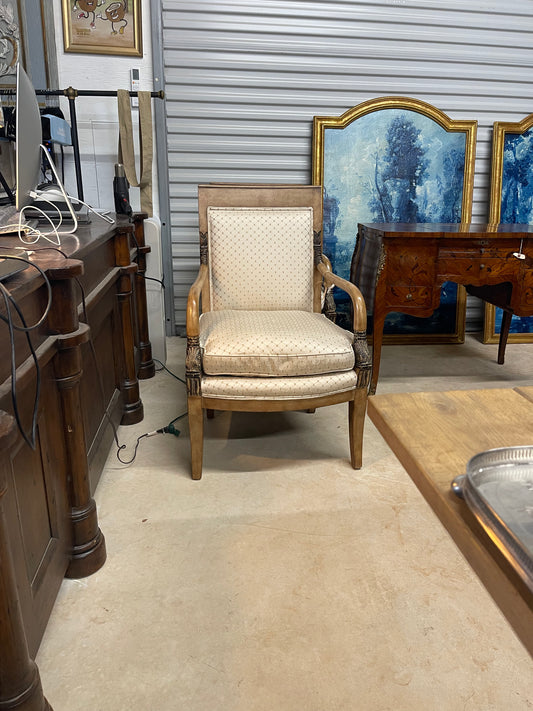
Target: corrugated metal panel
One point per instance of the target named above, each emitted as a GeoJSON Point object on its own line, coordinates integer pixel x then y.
{"type": "Point", "coordinates": [243, 81]}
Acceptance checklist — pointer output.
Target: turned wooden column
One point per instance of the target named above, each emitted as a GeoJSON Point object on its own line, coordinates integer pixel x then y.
{"type": "Point", "coordinates": [147, 365]}
{"type": "Point", "coordinates": [88, 551]}
{"type": "Point", "coordinates": [20, 683]}
{"type": "Point", "coordinates": [133, 407]}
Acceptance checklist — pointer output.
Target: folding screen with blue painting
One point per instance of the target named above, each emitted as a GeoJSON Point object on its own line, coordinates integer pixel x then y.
{"type": "Point", "coordinates": [394, 159]}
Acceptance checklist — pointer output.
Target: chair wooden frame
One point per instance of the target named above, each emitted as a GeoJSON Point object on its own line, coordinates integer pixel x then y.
{"type": "Point", "coordinates": [500, 130]}
{"type": "Point", "coordinates": [322, 124]}
{"type": "Point", "coordinates": [199, 302]}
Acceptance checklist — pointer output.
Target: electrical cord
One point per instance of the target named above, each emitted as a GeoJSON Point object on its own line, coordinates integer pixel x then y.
{"type": "Point", "coordinates": [168, 429]}
{"type": "Point", "coordinates": [32, 437]}
{"type": "Point", "coordinates": [10, 303]}
{"type": "Point", "coordinates": [164, 367]}
{"type": "Point", "coordinates": [159, 281]}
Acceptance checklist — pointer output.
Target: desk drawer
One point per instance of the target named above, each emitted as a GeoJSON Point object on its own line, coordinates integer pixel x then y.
{"type": "Point", "coordinates": [463, 268]}
{"type": "Point", "coordinates": [411, 296]}
{"type": "Point", "coordinates": [413, 265]}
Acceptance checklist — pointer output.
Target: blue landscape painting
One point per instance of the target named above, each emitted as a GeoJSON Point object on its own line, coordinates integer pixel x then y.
{"type": "Point", "coordinates": [519, 324]}
{"type": "Point", "coordinates": [517, 202]}
{"type": "Point", "coordinates": [517, 178]}
{"type": "Point", "coordinates": [392, 165]}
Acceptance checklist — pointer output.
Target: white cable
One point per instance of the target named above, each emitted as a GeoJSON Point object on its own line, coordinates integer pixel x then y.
{"type": "Point", "coordinates": [91, 208]}
{"type": "Point", "coordinates": [60, 185]}
{"type": "Point", "coordinates": [38, 234]}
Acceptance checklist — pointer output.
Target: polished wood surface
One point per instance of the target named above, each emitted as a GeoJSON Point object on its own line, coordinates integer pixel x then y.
{"type": "Point", "coordinates": [89, 355]}
{"type": "Point", "coordinates": [434, 434]}
{"type": "Point", "coordinates": [401, 267]}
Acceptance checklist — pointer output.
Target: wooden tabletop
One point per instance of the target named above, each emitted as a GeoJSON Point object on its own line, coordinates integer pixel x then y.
{"type": "Point", "coordinates": [446, 230]}
{"type": "Point", "coordinates": [434, 434]}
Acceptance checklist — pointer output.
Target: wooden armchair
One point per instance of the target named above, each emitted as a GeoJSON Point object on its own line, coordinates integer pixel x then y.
{"type": "Point", "coordinates": [256, 339]}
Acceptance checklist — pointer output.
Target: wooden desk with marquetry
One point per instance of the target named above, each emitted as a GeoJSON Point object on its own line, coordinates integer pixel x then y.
{"type": "Point", "coordinates": [434, 434]}
{"type": "Point", "coordinates": [91, 351]}
{"type": "Point", "coordinates": [401, 267]}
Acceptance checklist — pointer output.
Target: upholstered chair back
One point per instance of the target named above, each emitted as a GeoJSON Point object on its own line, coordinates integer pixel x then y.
{"type": "Point", "coordinates": [261, 258]}
{"type": "Point", "coordinates": [260, 243]}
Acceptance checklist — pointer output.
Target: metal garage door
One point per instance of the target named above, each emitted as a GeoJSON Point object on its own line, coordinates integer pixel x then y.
{"type": "Point", "coordinates": [243, 81]}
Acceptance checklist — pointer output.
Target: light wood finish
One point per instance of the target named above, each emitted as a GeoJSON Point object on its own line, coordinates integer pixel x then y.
{"type": "Point", "coordinates": [434, 434]}
{"type": "Point", "coordinates": [199, 301]}
{"type": "Point", "coordinates": [401, 267]}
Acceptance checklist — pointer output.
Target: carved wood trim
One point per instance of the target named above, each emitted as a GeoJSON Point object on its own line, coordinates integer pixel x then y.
{"type": "Point", "coordinates": [363, 361]}
{"type": "Point", "coordinates": [193, 366]}
{"type": "Point", "coordinates": [204, 249]}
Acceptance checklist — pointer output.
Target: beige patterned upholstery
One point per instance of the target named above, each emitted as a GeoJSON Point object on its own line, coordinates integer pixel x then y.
{"type": "Point", "coordinates": [256, 337]}
{"type": "Point", "coordinates": [251, 259]}
{"type": "Point", "coordinates": [273, 344]}
{"type": "Point", "coordinates": [279, 388]}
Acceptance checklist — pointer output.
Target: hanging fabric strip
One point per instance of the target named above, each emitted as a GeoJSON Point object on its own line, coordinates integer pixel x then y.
{"type": "Point", "coordinates": [126, 151]}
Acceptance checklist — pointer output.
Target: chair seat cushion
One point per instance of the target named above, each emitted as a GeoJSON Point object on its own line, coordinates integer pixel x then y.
{"type": "Point", "coordinates": [273, 344]}
{"type": "Point", "coordinates": [295, 388]}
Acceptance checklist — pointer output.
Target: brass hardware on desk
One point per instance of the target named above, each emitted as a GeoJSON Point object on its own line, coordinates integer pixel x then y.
{"type": "Point", "coordinates": [408, 297]}
{"type": "Point", "coordinates": [482, 266]}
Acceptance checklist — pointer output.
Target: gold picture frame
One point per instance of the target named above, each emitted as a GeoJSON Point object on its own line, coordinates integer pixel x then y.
{"type": "Point", "coordinates": [503, 130]}
{"type": "Point", "coordinates": [102, 27]}
{"type": "Point", "coordinates": [369, 145]}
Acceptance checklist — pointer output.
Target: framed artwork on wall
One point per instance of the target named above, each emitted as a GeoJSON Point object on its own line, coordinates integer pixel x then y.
{"type": "Point", "coordinates": [395, 159]}
{"type": "Point", "coordinates": [102, 27]}
{"type": "Point", "coordinates": [511, 202]}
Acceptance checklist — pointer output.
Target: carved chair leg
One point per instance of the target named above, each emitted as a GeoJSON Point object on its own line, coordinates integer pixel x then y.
{"type": "Point", "coordinates": [504, 333]}
{"type": "Point", "coordinates": [196, 435]}
{"type": "Point", "coordinates": [356, 423]}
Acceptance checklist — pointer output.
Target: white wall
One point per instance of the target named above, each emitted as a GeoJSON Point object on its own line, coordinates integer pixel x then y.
{"type": "Point", "coordinates": [97, 116]}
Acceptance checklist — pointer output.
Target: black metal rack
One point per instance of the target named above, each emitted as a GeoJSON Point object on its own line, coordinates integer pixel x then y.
{"type": "Point", "coordinates": [72, 94]}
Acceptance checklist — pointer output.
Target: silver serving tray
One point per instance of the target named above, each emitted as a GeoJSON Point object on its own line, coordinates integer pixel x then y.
{"type": "Point", "coordinates": [498, 488]}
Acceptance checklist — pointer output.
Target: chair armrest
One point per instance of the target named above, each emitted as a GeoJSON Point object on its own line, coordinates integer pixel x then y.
{"type": "Point", "coordinates": [193, 302]}
{"type": "Point", "coordinates": [363, 362]}
{"type": "Point", "coordinates": [358, 302]}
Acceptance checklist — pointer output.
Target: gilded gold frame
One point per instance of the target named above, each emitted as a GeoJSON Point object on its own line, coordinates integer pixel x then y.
{"type": "Point", "coordinates": [499, 131]}
{"type": "Point", "coordinates": [84, 36]}
{"type": "Point", "coordinates": [468, 127]}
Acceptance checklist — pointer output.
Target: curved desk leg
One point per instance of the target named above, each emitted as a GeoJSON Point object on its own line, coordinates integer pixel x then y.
{"type": "Point", "coordinates": [20, 683]}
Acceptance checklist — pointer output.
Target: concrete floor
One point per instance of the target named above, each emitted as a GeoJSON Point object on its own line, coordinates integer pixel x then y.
{"type": "Point", "coordinates": [283, 579]}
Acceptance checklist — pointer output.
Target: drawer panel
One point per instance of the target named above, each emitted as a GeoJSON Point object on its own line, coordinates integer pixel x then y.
{"type": "Point", "coordinates": [461, 269]}
{"type": "Point", "coordinates": [411, 296]}
{"type": "Point", "coordinates": [411, 265]}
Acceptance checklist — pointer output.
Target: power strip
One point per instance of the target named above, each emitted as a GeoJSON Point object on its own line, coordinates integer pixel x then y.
{"type": "Point", "coordinates": [10, 266]}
